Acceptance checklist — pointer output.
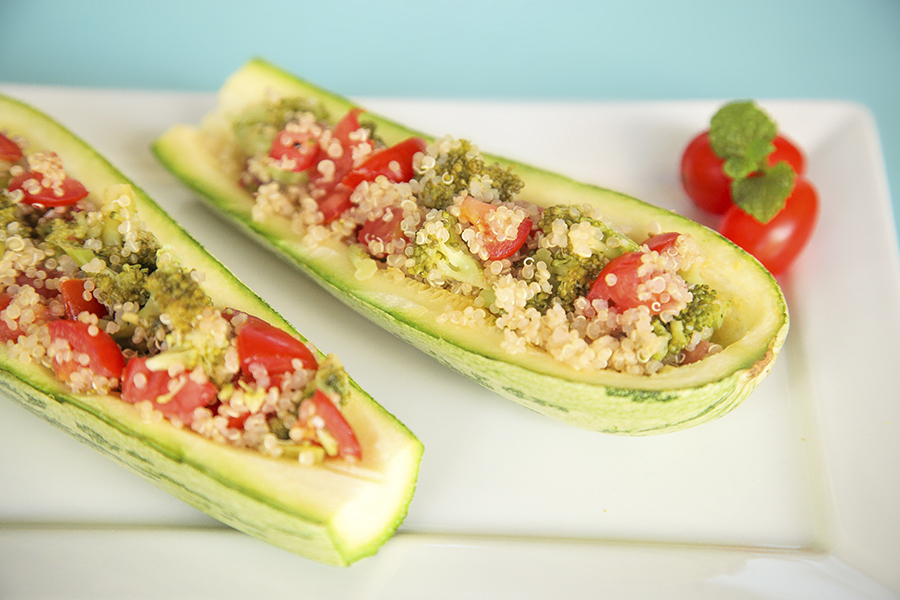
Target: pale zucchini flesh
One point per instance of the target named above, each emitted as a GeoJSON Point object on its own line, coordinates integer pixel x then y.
{"type": "Point", "coordinates": [324, 513]}
{"type": "Point", "coordinates": [752, 335]}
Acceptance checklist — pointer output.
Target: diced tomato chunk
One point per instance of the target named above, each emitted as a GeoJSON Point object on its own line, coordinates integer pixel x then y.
{"type": "Point", "coordinates": [335, 424]}
{"type": "Point", "coordinates": [92, 349]}
{"type": "Point", "coordinates": [41, 315]}
{"type": "Point", "coordinates": [344, 133]}
{"type": "Point", "coordinates": [624, 286]}
{"type": "Point", "coordinates": [395, 163]}
{"type": "Point", "coordinates": [175, 396]}
{"type": "Point", "coordinates": [295, 151]}
{"type": "Point", "coordinates": [259, 343]}
{"type": "Point", "coordinates": [385, 229]}
{"type": "Point", "coordinates": [61, 193]}
{"type": "Point", "coordinates": [6, 332]}
{"type": "Point", "coordinates": [335, 203]}
{"type": "Point", "coordinates": [73, 296]}
{"type": "Point", "coordinates": [478, 213]}
{"type": "Point", "coordinates": [9, 150]}
{"type": "Point", "coordinates": [662, 242]}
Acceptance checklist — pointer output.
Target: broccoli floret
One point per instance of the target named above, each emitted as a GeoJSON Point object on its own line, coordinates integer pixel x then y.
{"type": "Point", "coordinates": [181, 313]}
{"type": "Point", "coordinates": [439, 255]}
{"type": "Point", "coordinates": [572, 275]}
{"type": "Point", "coordinates": [115, 288]}
{"type": "Point", "coordinates": [590, 244]}
{"type": "Point", "coordinates": [703, 315]}
{"type": "Point", "coordinates": [255, 128]}
{"type": "Point", "coordinates": [460, 168]}
{"type": "Point", "coordinates": [10, 213]}
{"type": "Point", "coordinates": [176, 298]}
{"type": "Point", "coordinates": [331, 378]}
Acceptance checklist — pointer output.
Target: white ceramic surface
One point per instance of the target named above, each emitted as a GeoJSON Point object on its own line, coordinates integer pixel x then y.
{"type": "Point", "coordinates": [792, 495]}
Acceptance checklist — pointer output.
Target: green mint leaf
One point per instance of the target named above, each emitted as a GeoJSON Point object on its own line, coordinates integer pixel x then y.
{"type": "Point", "coordinates": [762, 196]}
{"type": "Point", "coordinates": [741, 129]}
{"type": "Point", "coordinates": [739, 167]}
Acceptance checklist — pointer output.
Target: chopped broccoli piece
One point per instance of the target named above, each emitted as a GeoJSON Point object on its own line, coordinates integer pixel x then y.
{"type": "Point", "coordinates": [573, 275]}
{"type": "Point", "coordinates": [180, 312]}
{"type": "Point", "coordinates": [176, 299]}
{"type": "Point", "coordinates": [10, 212]}
{"type": "Point", "coordinates": [331, 378]}
{"type": "Point", "coordinates": [257, 127]}
{"type": "Point", "coordinates": [461, 168]}
{"type": "Point", "coordinates": [439, 255]}
{"type": "Point", "coordinates": [118, 287]}
{"type": "Point", "coordinates": [703, 315]}
{"type": "Point", "coordinates": [590, 244]}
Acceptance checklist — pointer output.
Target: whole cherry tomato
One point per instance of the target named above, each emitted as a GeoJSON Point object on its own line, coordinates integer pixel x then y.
{"type": "Point", "coordinates": [777, 243]}
{"type": "Point", "coordinates": [707, 184]}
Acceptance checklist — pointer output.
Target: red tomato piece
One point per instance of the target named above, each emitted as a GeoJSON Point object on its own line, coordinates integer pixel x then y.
{"type": "Point", "coordinates": [68, 191]}
{"type": "Point", "coordinates": [343, 132]}
{"type": "Point", "coordinates": [395, 163]}
{"type": "Point", "coordinates": [788, 151]}
{"type": "Point", "coordinates": [620, 282]}
{"type": "Point", "coordinates": [39, 285]}
{"type": "Point", "coordinates": [707, 184]}
{"type": "Point", "coordinates": [41, 315]}
{"type": "Point", "coordinates": [477, 213]}
{"type": "Point", "coordinates": [73, 296]}
{"type": "Point", "coordinates": [104, 357]}
{"type": "Point", "coordinates": [384, 230]}
{"type": "Point", "coordinates": [777, 243]}
{"type": "Point", "coordinates": [172, 396]}
{"type": "Point", "coordinates": [6, 332]}
{"type": "Point", "coordinates": [335, 203]}
{"type": "Point", "coordinates": [260, 343]}
{"type": "Point", "coordinates": [295, 151]}
{"type": "Point", "coordinates": [662, 241]}
{"type": "Point", "coordinates": [9, 150]}
{"type": "Point", "coordinates": [336, 425]}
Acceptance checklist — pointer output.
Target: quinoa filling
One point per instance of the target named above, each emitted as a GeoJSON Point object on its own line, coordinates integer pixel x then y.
{"type": "Point", "coordinates": [561, 279]}
{"type": "Point", "coordinates": [87, 292]}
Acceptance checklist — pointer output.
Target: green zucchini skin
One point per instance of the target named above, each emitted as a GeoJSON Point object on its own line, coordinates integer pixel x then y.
{"type": "Point", "coordinates": [326, 514]}
{"type": "Point", "coordinates": [602, 401]}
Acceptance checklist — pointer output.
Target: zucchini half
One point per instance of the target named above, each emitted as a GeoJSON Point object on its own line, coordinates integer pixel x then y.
{"type": "Point", "coordinates": [324, 513]}
{"type": "Point", "coordinates": [605, 401]}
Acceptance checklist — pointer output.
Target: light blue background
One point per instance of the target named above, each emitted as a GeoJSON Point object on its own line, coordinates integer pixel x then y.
{"type": "Point", "coordinates": [591, 50]}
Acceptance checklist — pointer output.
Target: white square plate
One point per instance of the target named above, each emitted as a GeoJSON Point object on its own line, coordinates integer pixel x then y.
{"type": "Point", "coordinates": [795, 494]}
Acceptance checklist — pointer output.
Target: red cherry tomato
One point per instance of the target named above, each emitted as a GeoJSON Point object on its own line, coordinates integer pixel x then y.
{"type": "Point", "coordinates": [104, 357]}
{"type": "Point", "coordinates": [777, 243]}
{"type": "Point", "coordinates": [9, 150]}
{"type": "Point", "coordinates": [704, 180]}
{"type": "Point", "coordinates": [260, 343]}
{"type": "Point", "coordinates": [68, 191]}
{"type": "Point", "coordinates": [621, 284]}
{"type": "Point", "coordinates": [380, 163]}
{"type": "Point", "coordinates": [172, 396]}
{"type": "Point", "coordinates": [336, 424]}
{"type": "Point", "coordinates": [476, 212]}
{"type": "Point", "coordinates": [72, 292]}
{"type": "Point", "coordinates": [385, 229]}
{"type": "Point", "coordinates": [295, 151]}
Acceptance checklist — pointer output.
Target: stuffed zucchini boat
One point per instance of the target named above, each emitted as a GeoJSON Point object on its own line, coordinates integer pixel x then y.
{"type": "Point", "coordinates": [120, 329]}
{"type": "Point", "coordinates": [580, 303]}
